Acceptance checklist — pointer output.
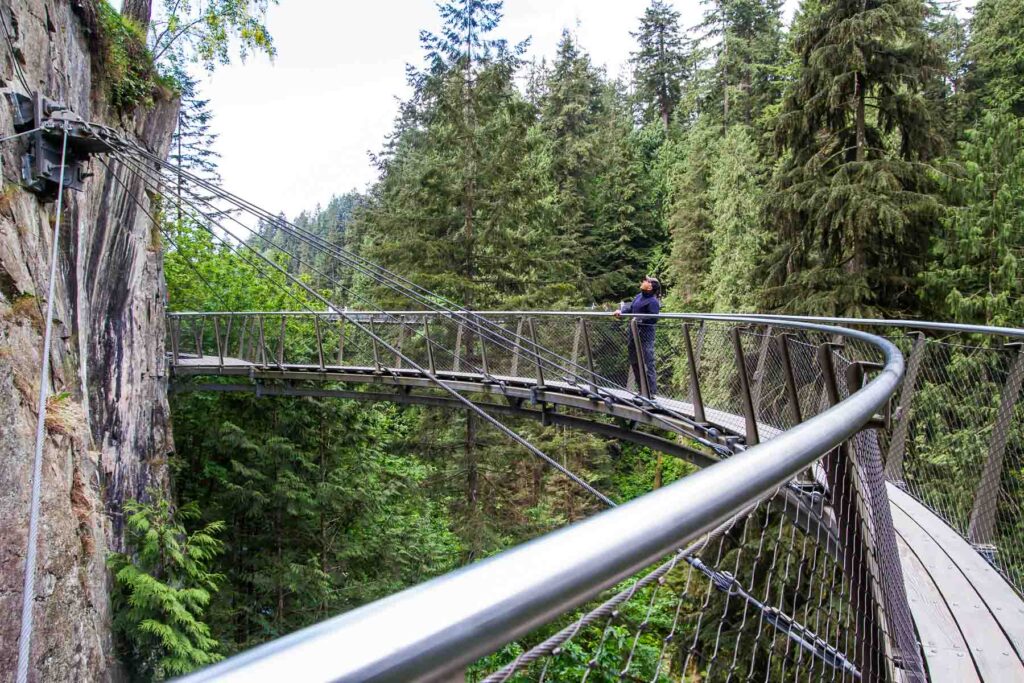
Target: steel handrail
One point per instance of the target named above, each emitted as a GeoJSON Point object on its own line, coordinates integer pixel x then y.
{"type": "Point", "coordinates": [821, 320]}
{"type": "Point", "coordinates": [432, 631]}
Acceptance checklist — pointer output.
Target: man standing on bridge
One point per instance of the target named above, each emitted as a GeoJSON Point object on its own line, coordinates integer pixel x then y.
{"type": "Point", "coordinates": [647, 302]}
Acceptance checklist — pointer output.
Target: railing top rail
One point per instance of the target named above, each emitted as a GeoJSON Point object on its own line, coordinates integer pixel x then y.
{"type": "Point", "coordinates": [437, 628]}
{"type": "Point", "coordinates": [1016, 333]}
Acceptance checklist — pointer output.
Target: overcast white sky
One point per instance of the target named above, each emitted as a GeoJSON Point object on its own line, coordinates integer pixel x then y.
{"type": "Point", "coordinates": [295, 132]}
{"type": "Point", "coordinates": [298, 130]}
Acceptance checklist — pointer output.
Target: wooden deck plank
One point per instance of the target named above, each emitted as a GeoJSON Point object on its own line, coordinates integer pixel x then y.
{"type": "Point", "coordinates": [993, 655]}
{"type": "Point", "coordinates": [1002, 601]}
{"type": "Point", "coordinates": [945, 652]}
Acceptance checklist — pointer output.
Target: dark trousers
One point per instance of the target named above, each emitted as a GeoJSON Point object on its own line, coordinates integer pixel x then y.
{"type": "Point", "coordinates": [646, 334]}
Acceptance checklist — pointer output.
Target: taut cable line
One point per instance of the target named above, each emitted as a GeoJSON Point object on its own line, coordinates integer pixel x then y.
{"type": "Point", "coordinates": [495, 333]}
{"type": "Point", "coordinates": [29, 586]}
{"type": "Point", "coordinates": [490, 419]}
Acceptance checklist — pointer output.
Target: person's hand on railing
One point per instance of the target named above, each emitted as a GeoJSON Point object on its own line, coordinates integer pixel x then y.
{"type": "Point", "coordinates": [617, 313]}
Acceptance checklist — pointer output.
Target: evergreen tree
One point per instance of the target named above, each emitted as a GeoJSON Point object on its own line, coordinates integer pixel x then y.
{"type": "Point", "coordinates": [747, 37]}
{"type": "Point", "coordinates": [996, 56]}
{"type": "Point", "coordinates": [569, 119]}
{"type": "Point", "coordinates": [162, 588]}
{"type": "Point", "coordinates": [461, 200]}
{"type": "Point", "coordinates": [853, 203]}
{"type": "Point", "coordinates": [688, 214]}
{"type": "Point", "coordinates": [736, 205]}
{"type": "Point", "coordinates": [192, 144]}
{"type": "Point", "coordinates": [622, 201]}
{"type": "Point", "coordinates": [976, 273]}
{"type": "Point", "coordinates": [660, 63]}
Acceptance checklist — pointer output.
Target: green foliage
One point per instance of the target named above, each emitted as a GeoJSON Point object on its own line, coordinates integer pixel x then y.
{"type": "Point", "coordinates": [207, 32]}
{"type": "Point", "coordinates": [976, 271]}
{"type": "Point", "coordinates": [205, 275]}
{"type": "Point", "coordinates": [744, 78]}
{"type": "Point", "coordinates": [660, 64]}
{"type": "Point", "coordinates": [128, 71]}
{"type": "Point", "coordinates": [162, 588]}
{"type": "Point", "coordinates": [995, 56]}
{"type": "Point", "coordinates": [510, 187]}
{"type": "Point", "coordinates": [854, 202]}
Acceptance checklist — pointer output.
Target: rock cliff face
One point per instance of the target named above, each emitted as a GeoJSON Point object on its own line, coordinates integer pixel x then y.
{"type": "Point", "coordinates": [107, 426]}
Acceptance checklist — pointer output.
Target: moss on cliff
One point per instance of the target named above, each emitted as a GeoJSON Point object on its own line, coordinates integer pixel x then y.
{"type": "Point", "coordinates": [126, 68]}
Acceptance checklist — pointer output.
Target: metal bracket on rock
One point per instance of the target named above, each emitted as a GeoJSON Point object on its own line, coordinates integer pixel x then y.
{"type": "Point", "coordinates": [41, 170]}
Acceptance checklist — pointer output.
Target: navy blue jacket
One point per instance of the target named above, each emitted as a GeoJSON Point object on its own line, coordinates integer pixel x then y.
{"type": "Point", "coordinates": [643, 303]}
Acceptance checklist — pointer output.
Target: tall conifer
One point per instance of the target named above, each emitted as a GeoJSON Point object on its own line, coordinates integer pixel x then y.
{"type": "Point", "coordinates": [853, 202]}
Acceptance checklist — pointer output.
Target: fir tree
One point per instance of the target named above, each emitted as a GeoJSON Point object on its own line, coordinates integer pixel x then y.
{"type": "Point", "coordinates": [996, 55]}
{"type": "Point", "coordinates": [162, 589]}
{"type": "Point", "coordinates": [747, 36]}
{"type": "Point", "coordinates": [736, 207]}
{"type": "Point", "coordinates": [569, 121]}
{"type": "Point", "coordinates": [660, 63]}
{"type": "Point", "coordinates": [853, 202]}
{"type": "Point", "coordinates": [976, 272]}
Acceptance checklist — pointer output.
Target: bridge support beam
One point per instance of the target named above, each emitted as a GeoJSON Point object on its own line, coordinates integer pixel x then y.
{"type": "Point", "coordinates": [752, 437]}
{"type": "Point", "coordinates": [691, 360]}
{"type": "Point", "coordinates": [982, 529]}
{"type": "Point", "coordinates": [848, 501]}
{"type": "Point", "coordinates": [898, 441]}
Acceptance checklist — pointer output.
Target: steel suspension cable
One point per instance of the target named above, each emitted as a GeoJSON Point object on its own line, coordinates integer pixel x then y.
{"type": "Point", "coordinates": [503, 342]}
{"type": "Point", "coordinates": [409, 289]}
{"type": "Point", "coordinates": [398, 353]}
{"type": "Point", "coordinates": [29, 585]}
{"type": "Point", "coordinates": [789, 627]}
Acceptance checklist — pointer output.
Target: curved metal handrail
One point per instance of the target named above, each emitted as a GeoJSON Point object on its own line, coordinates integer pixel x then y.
{"type": "Point", "coordinates": [763, 317]}
{"type": "Point", "coordinates": [435, 629]}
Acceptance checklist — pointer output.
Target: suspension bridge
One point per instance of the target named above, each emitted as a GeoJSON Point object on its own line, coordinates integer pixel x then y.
{"type": "Point", "coordinates": [854, 511]}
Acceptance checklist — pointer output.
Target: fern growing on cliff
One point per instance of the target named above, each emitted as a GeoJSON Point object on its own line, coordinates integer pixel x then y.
{"type": "Point", "coordinates": [162, 588]}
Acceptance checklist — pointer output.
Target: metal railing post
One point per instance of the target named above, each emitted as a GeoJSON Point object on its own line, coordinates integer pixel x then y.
{"type": "Point", "coordinates": [376, 350]}
{"type": "Point", "coordinates": [483, 354]}
{"type": "Point", "coordinates": [198, 336]}
{"type": "Point", "coordinates": [319, 342]}
{"type": "Point", "coordinates": [341, 342]}
{"type": "Point", "coordinates": [536, 354]}
{"type": "Point", "coordinates": [695, 396]}
{"type": "Point", "coordinates": [828, 371]}
{"type": "Point", "coordinates": [263, 341]}
{"type": "Point", "coordinates": [515, 351]}
{"type": "Point", "coordinates": [787, 370]}
{"type": "Point", "coordinates": [759, 371]}
{"type": "Point", "coordinates": [401, 341]}
{"type": "Point", "coordinates": [898, 442]}
{"type": "Point", "coordinates": [280, 342]}
{"type": "Point", "coordinates": [430, 345]}
{"type": "Point", "coordinates": [220, 348]}
{"type": "Point", "coordinates": [576, 337]}
{"type": "Point", "coordinates": [982, 527]}
{"type": "Point", "coordinates": [641, 366]}
{"type": "Point", "coordinates": [586, 347]}
{"type": "Point", "coordinates": [175, 339]}
{"type": "Point", "coordinates": [457, 364]}
{"type": "Point", "coordinates": [749, 415]}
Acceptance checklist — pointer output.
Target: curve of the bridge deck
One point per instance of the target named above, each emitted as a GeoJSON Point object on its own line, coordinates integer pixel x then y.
{"type": "Point", "coordinates": [970, 622]}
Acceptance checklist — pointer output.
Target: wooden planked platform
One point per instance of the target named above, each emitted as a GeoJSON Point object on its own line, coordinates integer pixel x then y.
{"type": "Point", "coordinates": [969, 621]}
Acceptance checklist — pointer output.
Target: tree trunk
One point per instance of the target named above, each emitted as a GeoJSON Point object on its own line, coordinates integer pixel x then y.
{"type": "Point", "coordinates": [858, 262]}
{"type": "Point", "coordinates": [139, 11]}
